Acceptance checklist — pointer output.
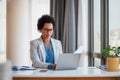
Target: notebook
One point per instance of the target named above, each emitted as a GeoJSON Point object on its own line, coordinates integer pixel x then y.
{"type": "Point", "coordinates": [16, 68]}
{"type": "Point", "coordinates": [68, 61]}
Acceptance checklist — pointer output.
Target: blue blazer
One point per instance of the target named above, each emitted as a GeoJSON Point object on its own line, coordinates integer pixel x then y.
{"type": "Point", "coordinates": [37, 52]}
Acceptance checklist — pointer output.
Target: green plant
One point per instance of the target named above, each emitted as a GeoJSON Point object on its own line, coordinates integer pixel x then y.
{"type": "Point", "coordinates": [111, 52]}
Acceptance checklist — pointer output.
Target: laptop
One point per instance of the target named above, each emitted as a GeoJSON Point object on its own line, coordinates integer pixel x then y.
{"type": "Point", "coordinates": [68, 61]}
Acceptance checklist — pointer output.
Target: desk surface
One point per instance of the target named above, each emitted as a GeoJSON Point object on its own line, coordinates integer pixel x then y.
{"type": "Point", "coordinates": [80, 72]}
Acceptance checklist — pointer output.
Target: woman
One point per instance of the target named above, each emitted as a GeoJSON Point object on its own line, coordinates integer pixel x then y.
{"type": "Point", "coordinates": [45, 50]}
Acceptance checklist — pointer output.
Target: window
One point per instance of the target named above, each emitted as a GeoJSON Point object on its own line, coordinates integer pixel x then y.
{"type": "Point", "coordinates": [106, 26]}
{"type": "Point", "coordinates": [97, 30]}
{"type": "Point", "coordinates": [114, 22]}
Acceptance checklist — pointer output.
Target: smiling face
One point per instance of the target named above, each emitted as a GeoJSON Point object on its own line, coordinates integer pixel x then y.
{"type": "Point", "coordinates": [47, 30]}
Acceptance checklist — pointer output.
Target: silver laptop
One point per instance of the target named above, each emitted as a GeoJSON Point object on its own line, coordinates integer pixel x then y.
{"type": "Point", "coordinates": [68, 61]}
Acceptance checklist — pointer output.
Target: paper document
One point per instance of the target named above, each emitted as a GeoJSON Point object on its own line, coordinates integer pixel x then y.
{"type": "Point", "coordinates": [80, 49]}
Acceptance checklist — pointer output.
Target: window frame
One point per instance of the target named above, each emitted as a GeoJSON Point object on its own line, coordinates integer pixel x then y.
{"type": "Point", "coordinates": [104, 32]}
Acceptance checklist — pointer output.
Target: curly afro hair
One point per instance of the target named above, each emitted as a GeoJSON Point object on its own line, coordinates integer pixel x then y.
{"type": "Point", "coordinates": [45, 19]}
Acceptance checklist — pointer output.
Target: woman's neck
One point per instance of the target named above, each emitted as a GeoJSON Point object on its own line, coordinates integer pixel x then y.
{"type": "Point", "coordinates": [47, 42]}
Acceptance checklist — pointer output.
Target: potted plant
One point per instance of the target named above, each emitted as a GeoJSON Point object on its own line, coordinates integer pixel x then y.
{"type": "Point", "coordinates": [112, 55]}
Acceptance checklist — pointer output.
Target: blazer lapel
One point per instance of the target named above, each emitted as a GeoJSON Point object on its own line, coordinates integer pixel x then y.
{"type": "Point", "coordinates": [42, 49]}
{"type": "Point", "coordinates": [55, 50]}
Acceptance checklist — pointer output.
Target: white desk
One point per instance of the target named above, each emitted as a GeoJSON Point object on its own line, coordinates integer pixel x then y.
{"type": "Point", "coordinates": [90, 73]}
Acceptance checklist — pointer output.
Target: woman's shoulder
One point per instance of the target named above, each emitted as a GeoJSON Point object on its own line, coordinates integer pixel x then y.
{"type": "Point", "coordinates": [55, 40]}
{"type": "Point", "coordinates": [36, 41]}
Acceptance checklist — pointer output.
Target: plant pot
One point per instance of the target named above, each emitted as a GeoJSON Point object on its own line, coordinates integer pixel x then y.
{"type": "Point", "coordinates": [113, 64]}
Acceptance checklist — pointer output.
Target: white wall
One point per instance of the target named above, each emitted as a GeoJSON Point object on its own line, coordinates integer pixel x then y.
{"type": "Point", "coordinates": [38, 8]}
{"type": "Point", "coordinates": [2, 30]}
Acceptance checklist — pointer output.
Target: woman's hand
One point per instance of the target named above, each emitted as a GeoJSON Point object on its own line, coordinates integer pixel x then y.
{"type": "Point", "coordinates": [53, 66]}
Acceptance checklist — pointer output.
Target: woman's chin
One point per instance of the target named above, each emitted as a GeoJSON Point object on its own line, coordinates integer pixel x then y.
{"type": "Point", "coordinates": [47, 37]}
